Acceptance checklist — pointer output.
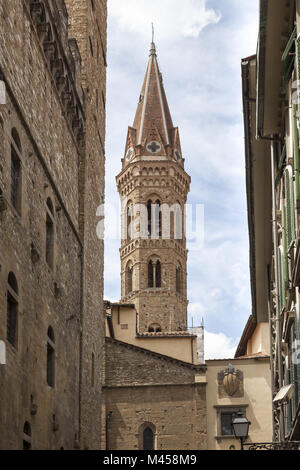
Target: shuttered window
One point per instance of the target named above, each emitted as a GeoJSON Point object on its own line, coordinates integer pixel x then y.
{"type": "Point", "coordinates": [289, 205]}
{"type": "Point", "coordinates": [287, 60]}
{"type": "Point", "coordinates": [282, 278]}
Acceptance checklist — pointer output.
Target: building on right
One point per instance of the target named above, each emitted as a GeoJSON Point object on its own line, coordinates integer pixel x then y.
{"type": "Point", "coordinates": [271, 104]}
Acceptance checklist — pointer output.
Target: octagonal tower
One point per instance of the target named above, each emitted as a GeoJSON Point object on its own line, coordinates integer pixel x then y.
{"type": "Point", "coordinates": [153, 187]}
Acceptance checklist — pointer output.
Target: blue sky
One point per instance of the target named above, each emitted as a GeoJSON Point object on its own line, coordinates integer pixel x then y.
{"type": "Point", "coordinates": [200, 45]}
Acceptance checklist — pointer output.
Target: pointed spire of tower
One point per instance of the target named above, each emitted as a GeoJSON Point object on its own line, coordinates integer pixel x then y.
{"type": "Point", "coordinates": [153, 108]}
{"type": "Point", "coordinates": [153, 132]}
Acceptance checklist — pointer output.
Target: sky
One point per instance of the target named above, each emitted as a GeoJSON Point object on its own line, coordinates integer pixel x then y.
{"type": "Point", "coordinates": [200, 44]}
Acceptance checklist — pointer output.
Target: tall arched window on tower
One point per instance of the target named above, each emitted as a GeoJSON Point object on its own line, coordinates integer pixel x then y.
{"type": "Point", "coordinates": [49, 233]}
{"type": "Point", "coordinates": [150, 274]}
{"type": "Point", "coordinates": [158, 218]}
{"type": "Point", "coordinates": [154, 218]}
{"type": "Point", "coordinates": [179, 278]}
{"type": "Point", "coordinates": [16, 171]}
{"type": "Point", "coordinates": [129, 278]}
{"type": "Point", "coordinates": [12, 310]}
{"type": "Point", "coordinates": [158, 274]}
{"type": "Point", "coordinates": [154, 273]}
{"type": "Point", "coordinates": [149, 212]}
{"type": "Point", "coordinates": [129, 222]}
{"type": "Point", "coordinates": [26, 436]}
{"type": "Point", "coordinates": [50, 357]}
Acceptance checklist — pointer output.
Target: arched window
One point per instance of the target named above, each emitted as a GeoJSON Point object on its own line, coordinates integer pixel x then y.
{"type": "Point", "coordinates": [154, 274]}
{"type": "Point", "coordinates": [150, 274]}
{"type": "Point", "coordinates": [15, 171]}
{"type": "Point", "coordinates": [149, 211]}
{"type": "Point", "coordinates": [12, 309]}
{"type": "Point", "coordinates": [154, 218]}
{"type": "Point", "coordinates": [158, 274]}
{"type": "Point", "coordinates": [178, 221]}
{"type": "Point", "coordinates": [130, 219]}
{"type": "Point", "coordinates": [50, 357]}
{"type": "Point", "coordinates": [158, 218]}
{"type": "Point", "coordinates": [178, 278]}
{"type": "Point", "coordinates": [26, 436]}
{"type": "Point", "coordinates": [154, 328]}
{"type": "Point", "coordinates": [129, 278]}
{"type": "Point", "coordinates": [148, 439]}
{"type": "Point", "coordinates": [49, 233]}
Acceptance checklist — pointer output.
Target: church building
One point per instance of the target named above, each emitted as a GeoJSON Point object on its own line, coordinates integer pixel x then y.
{"type": "Point", "coordinates": [158, 392]}
{"type": "Point", "coordinates": [154, 387]}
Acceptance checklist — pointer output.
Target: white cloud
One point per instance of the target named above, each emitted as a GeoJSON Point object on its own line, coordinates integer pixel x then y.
{"type": "Point", "coordinates": [218, 346]}
{"type": "Point", "coordinates": [170, 17]}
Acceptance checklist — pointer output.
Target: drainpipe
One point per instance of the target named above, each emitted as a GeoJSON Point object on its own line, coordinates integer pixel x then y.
{"type": "Point", "coordinates": [275, 246]}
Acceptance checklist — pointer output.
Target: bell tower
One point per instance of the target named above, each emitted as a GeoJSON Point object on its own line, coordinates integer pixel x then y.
{"type": "Point", "coordinates": [153, 188]}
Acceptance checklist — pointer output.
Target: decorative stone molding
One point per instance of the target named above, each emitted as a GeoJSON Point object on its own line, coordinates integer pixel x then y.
{"type": "Point", "coordinates": [63, 60]}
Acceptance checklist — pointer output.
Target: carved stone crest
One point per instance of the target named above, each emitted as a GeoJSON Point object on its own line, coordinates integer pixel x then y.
{"type": "Point", "coordinates": [230, 382]}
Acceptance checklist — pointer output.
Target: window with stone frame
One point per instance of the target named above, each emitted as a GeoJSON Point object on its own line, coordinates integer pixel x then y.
{"type": "Point", "coordinates": [154, 274]}
{"type": "Point", "coordinates": [154, 217]}
{"type": "Point", "coordinates": [15, 171]}
{"type": "Point", "coordinates": [26, 436]}
{"type": "Point", "coordinates": [12, 310]}
{"type": "Point", "coordinates": [179, 278]}
{"type": "Point", "coordinates": [225, 415]}
{"type": "Point", "coordinates": [147, 436]}
{"type": "Point", "coordinates": [154, 328]}
{"type": "Point", "coordinates": [49, 233]}
{"type": "Point", "coordinates": [129, 278]}
{"type": "Point", "coordinates": [50, 357]}
{"type": "Point", "coordinates": [148, 439]}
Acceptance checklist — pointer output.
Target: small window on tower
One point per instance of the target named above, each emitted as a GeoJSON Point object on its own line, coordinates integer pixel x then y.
{"type": "Point", "coordinates": [27, 436]}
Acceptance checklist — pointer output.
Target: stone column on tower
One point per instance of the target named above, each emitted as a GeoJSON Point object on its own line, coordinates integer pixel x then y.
{"type": "Point", "coordinates": [153, 187]}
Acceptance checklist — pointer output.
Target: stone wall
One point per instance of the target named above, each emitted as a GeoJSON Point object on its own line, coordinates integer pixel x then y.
{"type": "Point", "coordinates": [143, 387]}
{"type": "Point", "coordinates": [61, 126]}
{"type": "Point", "coordinates": [87, 24]}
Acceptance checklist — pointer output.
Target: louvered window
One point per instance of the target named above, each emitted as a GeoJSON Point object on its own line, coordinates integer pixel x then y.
{"type": "Point", "coordinates": [287, 60]}
{"type": "Point", "coordinates": [282, 278]}
{"type": "Point", "coordinates": [289, 204]}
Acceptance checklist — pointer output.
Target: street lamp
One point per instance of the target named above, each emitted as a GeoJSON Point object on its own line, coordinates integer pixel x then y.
{"type": "Point", "coordinates": [240, 425]}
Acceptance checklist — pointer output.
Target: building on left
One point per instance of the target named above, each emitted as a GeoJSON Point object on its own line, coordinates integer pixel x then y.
{"type": "Point", "coordinates": [52, 157]}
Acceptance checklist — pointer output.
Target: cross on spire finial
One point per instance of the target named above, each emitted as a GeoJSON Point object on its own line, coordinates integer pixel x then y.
{"type": "Point", "coordinates": [152, 32]}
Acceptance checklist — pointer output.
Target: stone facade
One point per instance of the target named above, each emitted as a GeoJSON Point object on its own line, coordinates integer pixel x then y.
{"type": "Point", "coordinates": [52, 131]}
{"type": "Point", "coordinates": [152, 383]}
{"type": "Point", "coordinates": [142, 387]}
